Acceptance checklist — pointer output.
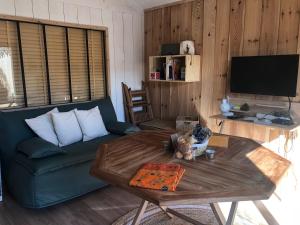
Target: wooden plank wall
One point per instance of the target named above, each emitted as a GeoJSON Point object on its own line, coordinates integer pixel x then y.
{"type": "Point", "coordinates": [221, 29]}
{"type": "Point", "coordinates": [172, 25]}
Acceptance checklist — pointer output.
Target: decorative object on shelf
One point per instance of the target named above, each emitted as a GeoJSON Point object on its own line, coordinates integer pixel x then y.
{"type": "Point", "coordinates": [225, 107]}
{"type": "Point", "coordinates": [154, 76]}
{"type": "Point", "coordinates": [245, 107]}
{"type": "Point", "coordinates": [170, 49]}
{"type": "Point", "coordinates": [187, 48]}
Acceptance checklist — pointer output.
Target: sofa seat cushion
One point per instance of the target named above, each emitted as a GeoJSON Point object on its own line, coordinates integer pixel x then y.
{"type": "Point", "coordinates": [77, 153]}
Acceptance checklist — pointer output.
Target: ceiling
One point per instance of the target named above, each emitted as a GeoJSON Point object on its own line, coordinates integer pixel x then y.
{"type": "Point", "coordinates": [145, 4]}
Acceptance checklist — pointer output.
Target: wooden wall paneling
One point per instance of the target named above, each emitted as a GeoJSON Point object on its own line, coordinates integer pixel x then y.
{"type": "Point", "coordinates": [186, 90]}
{"type": "Point", "coordinates": [176, 19]}
{"type": "Point", "coordinates": [197, 36]}
{"type": "Point", "coordinates": [221, 53]}
{"type": "Point", "coordinates": [288, 27]}
{"type": "Point", "coordinates": [269, 27]}
{"type": "Point", "coordinates": [166, 25]}
{"type": "Point", "coordinates": [269, 32]}
{"type": "Point", "coordinates": [236, 26]}
{"type": "Point", "coordinates": [186, 21]}
{"type": "Point", "coordinates": [236, 33]}
{"type": "Point", "coordinates": [252, 25]}
{"type": "Point", "coordinates": [155, 88]}
{"type": "Point", "coordinates": [288, 32]}
{"type": "Point", "coordinates": [197, 25]}
{"type": "Point", "coordinates": [251, 44]}
{"type": "Point", "coordinates": [208, 57]}
{"type": "Point", "coordinates": [166, 87]}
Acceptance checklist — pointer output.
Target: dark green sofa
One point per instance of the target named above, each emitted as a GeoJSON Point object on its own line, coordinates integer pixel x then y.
{"type": "Point", "coordinates": [37, 183]}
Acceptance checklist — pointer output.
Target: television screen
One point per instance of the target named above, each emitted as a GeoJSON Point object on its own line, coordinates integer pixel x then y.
{"type": "Point", "coordinates": [265, 75]}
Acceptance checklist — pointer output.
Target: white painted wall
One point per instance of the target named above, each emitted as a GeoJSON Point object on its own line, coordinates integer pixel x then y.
{"type": "Point", "coordinates": [124, 19]}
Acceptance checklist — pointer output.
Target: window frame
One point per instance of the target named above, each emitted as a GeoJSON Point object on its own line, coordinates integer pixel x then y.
{"type": "Point", "coordinates": [66, 26]}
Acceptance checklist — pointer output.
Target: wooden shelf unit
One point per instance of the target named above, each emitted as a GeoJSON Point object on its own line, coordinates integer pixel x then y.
{"type": "Point", "coordinates": [187, 68]}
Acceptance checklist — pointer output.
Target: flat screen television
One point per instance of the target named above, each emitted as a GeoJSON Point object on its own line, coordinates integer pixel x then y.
{"type": "Point", "coordinates": [265, 75]}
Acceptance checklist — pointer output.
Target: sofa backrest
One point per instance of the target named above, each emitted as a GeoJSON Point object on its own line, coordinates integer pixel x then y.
{"type": "Point", "coordinates": [13, 128]}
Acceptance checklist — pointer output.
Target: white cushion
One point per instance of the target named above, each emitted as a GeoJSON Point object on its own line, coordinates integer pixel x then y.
{"type": "Point", "coordinates": [43, 126]}
{"type": "Point", "coordinates": [91, 123]}
{"type": "Point", "coordinates": [66, 127]}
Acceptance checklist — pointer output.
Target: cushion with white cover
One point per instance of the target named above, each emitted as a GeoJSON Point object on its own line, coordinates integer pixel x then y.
{"type": "Point", "coordinates": [91, 123]}
{"type": "Point", "coordinates": [66, 127]}
{"type": "Point", "coordinates": [43, 126]}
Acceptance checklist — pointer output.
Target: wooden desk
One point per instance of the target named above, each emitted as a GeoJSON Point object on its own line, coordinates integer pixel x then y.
{"type": "Point", "coordinates": [287, 131]}
{"type": "Point", "coordinates": [244, 171]}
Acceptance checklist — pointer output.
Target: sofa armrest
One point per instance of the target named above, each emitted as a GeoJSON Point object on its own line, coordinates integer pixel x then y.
{"type": "Point", "coordinates": [122, 128]}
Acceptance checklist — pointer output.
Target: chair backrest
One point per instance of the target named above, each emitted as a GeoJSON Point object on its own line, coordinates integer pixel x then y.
{"type": "Point", "coordinates": [137, 105]}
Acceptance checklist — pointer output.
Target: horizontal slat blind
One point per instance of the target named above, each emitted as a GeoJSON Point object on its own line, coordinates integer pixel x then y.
{"type": "Point", "coordinates": [34, 64]}
{"type": "Point", "coordinates": [11, 86]}
{"type": "Point", "coordinates": [96, 59]}
{"type": "Point", "coordinates": [58, 64]}
{"type": "Point", "coordinates": [55, 63]}
{"type": "Point", "coordinates": [78, 63]}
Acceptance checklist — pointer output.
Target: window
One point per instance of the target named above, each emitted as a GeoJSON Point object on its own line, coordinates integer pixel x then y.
{"type": "Point", "coordinates": [79, 64]}
{"type": "Point", "coordinates": [34, 64]}
{"type": "Point", "coordinates": [58, 64]}
{"type": "Point", "coordinates": [11, 84]}
{"type": "Point", "coordinates": [42, 64]}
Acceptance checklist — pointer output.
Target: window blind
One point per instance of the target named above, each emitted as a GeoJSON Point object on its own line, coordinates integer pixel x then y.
{"type": "Point", "coordinates": [78, 63]}
{"type": "Point", "coordinates": [58, 64]}
{"type": "Point", "coordinates": [34, 64]}
{"type": "Point", "coordinates": [96, 61]}
{"type": "Point", "coordinates": [11, 84]}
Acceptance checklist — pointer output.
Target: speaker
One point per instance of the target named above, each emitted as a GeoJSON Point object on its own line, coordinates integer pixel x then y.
{"type": "Point", "coordinates": [170, 49]}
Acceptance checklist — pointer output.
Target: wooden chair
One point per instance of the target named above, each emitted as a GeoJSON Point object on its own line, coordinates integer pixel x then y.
{"type": "Point", "coordinates": [138, 110]}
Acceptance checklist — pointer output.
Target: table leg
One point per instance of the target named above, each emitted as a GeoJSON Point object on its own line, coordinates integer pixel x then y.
{"type": "Point", "coordinates": [265, 213]}
{"type": "Point", "coordinates": [164, 209]}
{"type": "Point", "coordinates": [232, 213]}
{"type": "Point", "coordinates": [218, 213]}
{"type": "Point", "coordinates": [140, 213]}
{"type": "Point", "coordinates": [184, 217]}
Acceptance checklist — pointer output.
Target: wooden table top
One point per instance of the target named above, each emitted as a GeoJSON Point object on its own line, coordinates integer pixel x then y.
{"type": "Point", "coordinates": [243, 171]}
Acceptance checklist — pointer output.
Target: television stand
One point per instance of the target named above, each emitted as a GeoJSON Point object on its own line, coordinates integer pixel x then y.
{"type": "Point", "coordinates": [286, 128]}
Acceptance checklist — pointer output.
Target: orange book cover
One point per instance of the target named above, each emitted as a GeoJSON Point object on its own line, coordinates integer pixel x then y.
{"type": "Point", "coordinates": [158, 176]}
